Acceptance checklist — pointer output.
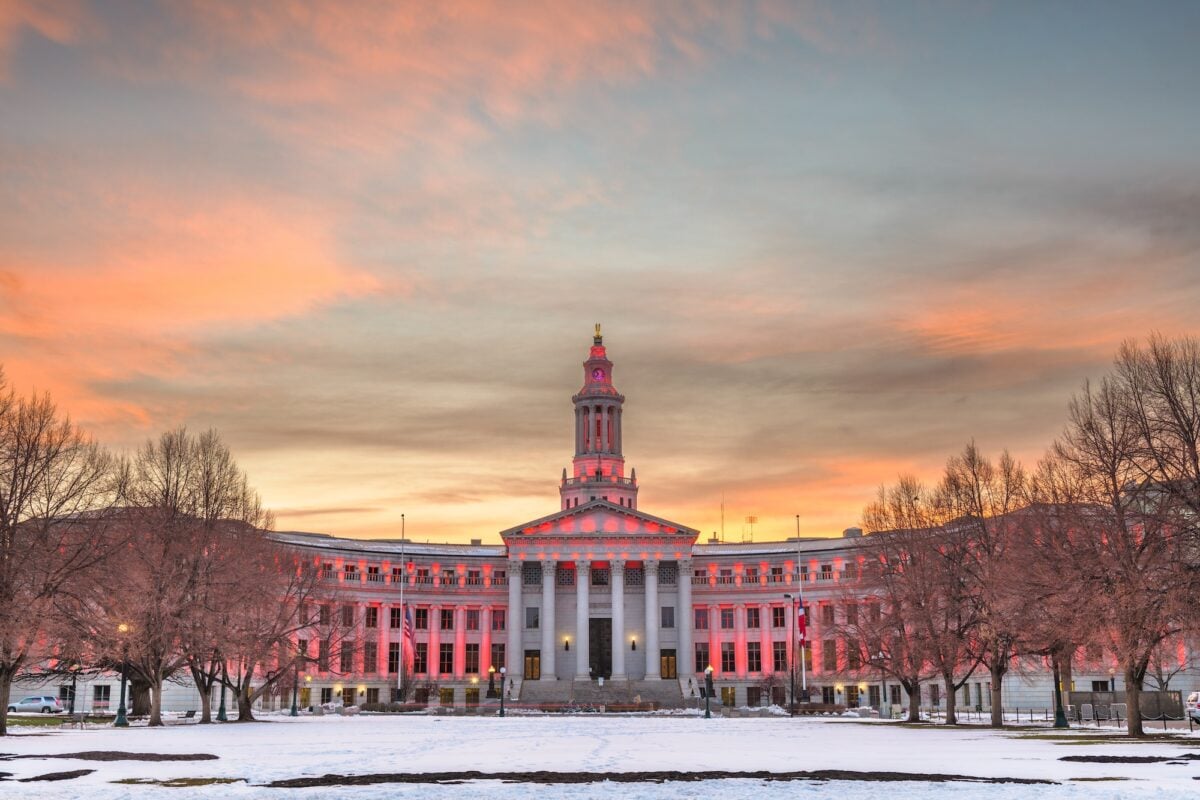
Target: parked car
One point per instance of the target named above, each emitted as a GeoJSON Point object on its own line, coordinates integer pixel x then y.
{"type": "Point", "coordinates": [43, 703]}
{"type": "Point", "coordinates": [1192, 706]}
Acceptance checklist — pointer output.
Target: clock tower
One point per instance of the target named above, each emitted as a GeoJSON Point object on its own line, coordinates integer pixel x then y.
{"type": "Point", "coordinates": [598, 469]}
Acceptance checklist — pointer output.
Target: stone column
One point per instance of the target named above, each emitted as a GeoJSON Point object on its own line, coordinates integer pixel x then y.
{"type": "Point", "coordinates": [460, 642]}
{"type": "Point", "coordinates": [764, 630]}
{"type": "Point", "coordinates": [435, 640]}
{"type": "Point", "coordinates": [714, 640]}
{"type": "Point", "coordinates": [617, 571]}
{"type": "Point", "coordinates": [514, 655]}
{"type": "Point", "coordinates": [620, 413]}
{"type": "Point", "coordinates": [485, 640]}
{"type": "Point", "coordinates": [740, 656]}
{"type": "Point", "coordinates": [604, 428]}
{"type": "Point", "coordinates": [650, 571]}
{"type": "Point", "coordinates": [547, 621]}
{"type": "Point", "coordinates": [583, 579]}
{"type": "Point", "coordinates": [686, 658]}
{"type": "Point", "coordinates": [385, 622]}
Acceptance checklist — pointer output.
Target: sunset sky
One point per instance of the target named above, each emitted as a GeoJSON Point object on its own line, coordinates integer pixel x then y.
{"type": "Point", "coordinates": [828, 242]}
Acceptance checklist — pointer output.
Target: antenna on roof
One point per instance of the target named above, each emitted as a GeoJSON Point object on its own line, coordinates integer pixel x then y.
{"type": "Point", "coordinates": [722, 516]}
{"type": "Point", "coordinates": [751, 519]}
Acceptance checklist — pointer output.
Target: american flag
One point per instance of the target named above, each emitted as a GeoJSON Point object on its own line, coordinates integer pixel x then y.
{"type": "Point", "coordinates": [410, 648]}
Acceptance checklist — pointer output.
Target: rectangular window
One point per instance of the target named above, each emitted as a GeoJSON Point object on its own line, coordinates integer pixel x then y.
{"type": "Point", "coordinates": [447, 620]}
{"type": "Point", "coordinates": [472, 619]}
{"type": "Point", "coordinates": [498, 656]}
{"type": "Point", "coordinates": [326, 695]}
{"type": "Point", "coordinates": [373, 696]}
{"type": "Point", "coordinates": [446, 658]}
{"type": "Point", "coordinates": [473, 658]}
{"type": "Point", "coordinates": [778, 616]}
{"type": "Point", "coordinates": [370, 657]}
{"type": "Point", "coordinates": [371, 620]}
{"type": "Point", "coordinates": [826, 614]}
{"type": "Point", "coordinates": [474, 578]}
{"type": "Point", "coordinates": [396, 618]}
{"type": "Point", "coordinates": [421, 619]}
{"type": "Point", "coordinates": [852, 613]}
{"type": "Point", "coordinates": [754, 656]}
{"type": "Point", "coordinates": [829, 661]}
{"type": "Point", "coordinates": [894, 690]}
{"type": "Point", "coordinates": [667, 617]}
{"type": "Point", "coordinates": [325, 614]}
{"type": "Point", "coordinates": [347, 616]}
{"type": "Point", "coordinates": [701, 619]}
{"type": "Point", "coordinates": [302, 648]}
{"type": "Point", "coordinates": [498, 620]}
{"type": "Point", "coordinates": [852, 656]}
{"type": "Point", "coordinates": [397, 574]}
{"type": "Point", "coordinates": [348, 696]}
{"type": "Point", "coordinates": [532, 615]}
{"type": "Point", "coordinates": [346, 660]}
{"type": "Point", "coordinates": [935, 694]}
{"type": "Point", "coordinates": [726, 619]}
{"type": "Point", "coordinates": [754, 696]}
{"type": "Point", "coordinates": [828, 695]}
{"type": "Point", "coordinates": [852, 695]}
{"type": "Point", "coordinates": [599, 577]}
{"type": "Point", "coordinates": [728, 696]}
{"type": "Point", "coordinates": [323, 656]}
{"type": "Point", "coordinates": [701, 656]}
{"type": "Point", "coordinates": [874, 612]}
{"type": "Point", "coordinates": [752, 617]}
{"type": "Point", "coordinates": [421, 658]}
{"type": "Point", "coordinates": [101, 696]}
{"type": "Point", "coordinates": [779, 661]}
{"type": "Point", "coordinates": [393, 658]}
{"type": "Point", "coordinates": [728, 659]}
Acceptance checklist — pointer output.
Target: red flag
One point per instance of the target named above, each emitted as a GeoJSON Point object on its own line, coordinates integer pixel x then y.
{"type": "Point", "coordinates": [801, 624]}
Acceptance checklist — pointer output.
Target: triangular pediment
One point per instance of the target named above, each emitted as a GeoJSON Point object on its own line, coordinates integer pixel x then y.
{"type": "Point", "coordinates": [600, 517]}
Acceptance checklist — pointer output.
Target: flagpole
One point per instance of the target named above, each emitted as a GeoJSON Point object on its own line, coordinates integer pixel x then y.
{"type": "Point", "coordinates": [403, 613]}
{"type": "Point", "coordinates": [800, 596]}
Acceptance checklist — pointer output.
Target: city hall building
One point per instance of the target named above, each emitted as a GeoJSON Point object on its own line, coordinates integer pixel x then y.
{"type": "Point", "coordinates": [600, 602]}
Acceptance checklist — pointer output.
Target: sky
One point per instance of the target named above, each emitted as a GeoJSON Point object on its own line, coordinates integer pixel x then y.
{"type": "Point", "coordinates": [829, 242]}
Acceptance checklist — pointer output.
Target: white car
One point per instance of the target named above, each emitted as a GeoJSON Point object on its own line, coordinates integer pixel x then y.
{"type": "Point", "coordinates": [1192, 706]}
{"type": "Point", "coordinates": [43, 703]}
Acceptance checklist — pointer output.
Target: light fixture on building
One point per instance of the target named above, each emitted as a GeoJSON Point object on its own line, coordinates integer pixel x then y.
{"type": "Point", "coordinates": [567, 644]}
{"type": "Point", "coordinates": [633, 644]}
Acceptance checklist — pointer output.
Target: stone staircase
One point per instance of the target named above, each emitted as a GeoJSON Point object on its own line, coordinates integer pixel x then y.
{"type": "Point", "coordinates": [590, 693]}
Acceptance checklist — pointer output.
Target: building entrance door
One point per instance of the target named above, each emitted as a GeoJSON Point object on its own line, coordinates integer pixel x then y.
{"type": "Point", "coordinates": [533, 665]}
{"type": "Point", "coordinates": [666, 664]}
{"type": "Point", "coordinates": [600, 647]}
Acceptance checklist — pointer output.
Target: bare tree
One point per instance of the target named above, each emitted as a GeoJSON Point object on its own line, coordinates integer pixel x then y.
{"type": "Point", "coordinates": [55, 485]}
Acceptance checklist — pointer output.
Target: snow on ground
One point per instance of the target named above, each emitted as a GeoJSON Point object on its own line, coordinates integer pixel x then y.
{"type": "Point", "coordinates": [282, 747]}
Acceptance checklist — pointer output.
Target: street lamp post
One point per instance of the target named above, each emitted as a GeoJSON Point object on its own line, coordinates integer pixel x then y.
{"type": "Point", "coordinates": [882, 684]}
{"type": "Point", "coordinates": [792, 657]}
{"type": "Point", "coordinates": [221, 717]}
{"type": "Point", "coordinates": [491, 690]}
{"type": "Point", "coordinates": [296, 690]}
{"type": "Point", "coordinates": [503, 672]}
{"type": "Point", "coordinates": [708, 690]}
{"type": "Point", "coordinates": [121, 720]}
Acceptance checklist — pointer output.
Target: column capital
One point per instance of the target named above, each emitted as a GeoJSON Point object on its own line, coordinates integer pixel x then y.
{"type": "Point", "coordinates": [685, 563]}
{"type": "Point", "coordinates": [549, 568]}
{"type": "Point", "coordinates": [514, 564]}
{"type": "Point", "coordinates": [616, 567]}
{"type": "Point", "coordinates": [650, 567]}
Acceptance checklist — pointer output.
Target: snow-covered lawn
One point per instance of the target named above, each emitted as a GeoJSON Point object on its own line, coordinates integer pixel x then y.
{"type": "Point", "coordinates": [281, 748]}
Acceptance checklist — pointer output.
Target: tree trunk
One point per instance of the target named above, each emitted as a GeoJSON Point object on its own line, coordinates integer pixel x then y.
{"type": "Point", "coordinates": [1133, 700]}
{"type": "Point", "coordinates": [245, 705]}
{"type": "Point", "coordinates": [204, 684]}
{"type": "Point", "coordinates": [996, 690]}
{"type": "Point", "coordinates": [139, 698]}
{"type": "Point", "coordinates": [156, 704]}
{"type": "Point", "coordinates": [914, 701]}
{"type": "Point", "coordinates": [1065, 671]}
{"type": "Point", "coordinates": [951, 700]}
{"type": "Point", "coordinates": [5, 692]}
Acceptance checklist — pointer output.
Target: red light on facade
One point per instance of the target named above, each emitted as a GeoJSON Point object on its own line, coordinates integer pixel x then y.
{"type": "Point", "coordinates": [630, 524]}
{"type": "Point", "coordinates": [588, 525]}
{"type": "Point", "coordinates": [610, 525]}
{"type": "Point", "coordinates": [652, 527]}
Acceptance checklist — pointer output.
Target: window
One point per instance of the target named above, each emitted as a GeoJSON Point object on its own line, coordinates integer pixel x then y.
{"type": "Point", "coordinates": [447, 619]}
{"type": "Point", "coordinates": [448, 577]}
{"type": "Point", "coordinates": [374, 575]}
{"type": "Point", "coordinates": [325, 614]}
{"type": "Point", "coordinates": [701, 656]}
{"type": "Point", "coordinates": [728, 696]}
{"type": "Point", "coordinates": [599, 577]}
{"type": "Point", "coordinates": [935, 694]}
{"type": "Point", "coordinates": [393, 658]}
{"type": "Point", "coordinates": [421, 619]}
{"type": "Point", "coordinates": [348, 696]}
{"type": "Point", "coordinates": [531, 618]}
{"type": "Point", "coordinates": [350, 573]}
{"type": "Point", "coordinates": [852, 695]}
{"type": "Point", "coordinates": [370, 657]}
{"type": "Point", "coordinates": [347, 616]}
{"type": "Point", "coordinates": [754, 657]}
{"type": "Point", "coordinates": [852, 613]}
{"type": "Point", "coordinates": [726, 619]}
{"type": "Point", "coordinates": [751, 575]}
{"type": "Point", "coordinates": [101, 696]}
{"type": "Point", "coordinates": [776, 575]}
{"type": "Point", "coordinates": [498, 620]}
{"type": "Point", "coordinates": [828, 695]}
{"type": "Point", "coordinates": [421, 658]}
{"type": "Point", "coordinates": [396, 618]}
{"type": "Point", "coordinates": [701, 621]}
{"type": "Point", "coordinates": [323, 656]}
{"type": "Point", "coordinates": [302, 648]}
{"type": "Point", "coordinates": [446, 658]}
{"type": "Point", "coordinates": [874, 612]}
{"type": "Point", "coordinates": [371, 620]}
{"type": "Point", "coordinates": [1099, 686]}
{"type": "Point", "coordinates": [778, 616]}
{"type": "Point", "coordinates": [728, 659]}
{"type": "Point", "coordinates": [474, 578]}
{"type": "Point", "coordinates": [826, 614]}
{"type": "Point", "coordinates": [754, 696]}
{"type": "Point", "coordinates": [346, 663]}
{"type": "Point", "coordinates": [894, 690]}
{"type": "Point", "coordinates": [326, 695]}
{"type": "Point", "coordinates": [472, 658]}
{"type": "Point", "coordinates": [779, 661]}
{"type": "Point", "coordinates": [397, 574]}
{"type": "Point", "coordinates": [752, 617]}
{"type": "Point", "coordinates": [531, 574]}
{"type": "Point", "coordinates": [667, 617]}
{"type": "Point", "coordinates": [829, 655]}
{"type": "Point", "coordinates": [472, 619]}
{"type": "Point", "coordinates": [498, 656]}
{"type": "Point", "coordinates": [852, 656]}
{"type": "Point", "coordinates": [373, 696]}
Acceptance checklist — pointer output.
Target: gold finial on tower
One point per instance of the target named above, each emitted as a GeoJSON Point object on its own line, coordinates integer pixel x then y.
{"type": "Point", "coordinates": [598, 337]}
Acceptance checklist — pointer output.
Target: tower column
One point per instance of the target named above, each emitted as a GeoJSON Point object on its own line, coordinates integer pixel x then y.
{"type": "Point", "coordinates": [583, 579]}
{"type": "Point", "coordinates": [604, 428]}
{"type": "Point", "coordinates": [617, 571]}
{"type": "Point", "coordinates": [686, 657]}
{"type": "Point", "coordinates": [548, 570]}
{"type": "Point", "coordinates": [650, 570]}
{"type": "Point", "coordinates": [515, 657]}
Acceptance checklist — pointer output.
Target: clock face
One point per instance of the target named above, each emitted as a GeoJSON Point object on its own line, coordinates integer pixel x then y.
{"type": "Point", "coordinates": [597, 374]}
